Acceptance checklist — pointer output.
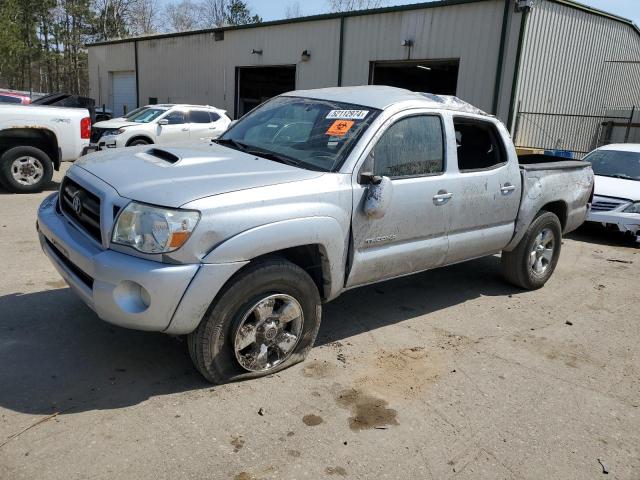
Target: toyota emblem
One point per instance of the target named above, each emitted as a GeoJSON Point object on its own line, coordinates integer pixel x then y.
{"type": "Point", "coordinates": [77, 204]}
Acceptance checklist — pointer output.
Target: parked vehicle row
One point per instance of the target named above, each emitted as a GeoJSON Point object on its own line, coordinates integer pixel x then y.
{"type": "Point", "coordinates": [238, 243]}
{"type": "Point", "coordinates": [161, 124]}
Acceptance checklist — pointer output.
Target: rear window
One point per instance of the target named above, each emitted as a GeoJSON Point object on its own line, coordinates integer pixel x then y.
{"type": "Point", "coordinates": [199, 116]}
{"type": "Point", "coordinates": [9, 99]}
{"type": "Point", "coordinates": [478, 144]}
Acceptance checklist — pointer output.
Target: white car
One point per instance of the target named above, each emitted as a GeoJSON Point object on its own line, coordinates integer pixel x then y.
{"type": "Point", "coordinates": [616, 200]}
{"type": "Point", "coordinates": [161, 124]}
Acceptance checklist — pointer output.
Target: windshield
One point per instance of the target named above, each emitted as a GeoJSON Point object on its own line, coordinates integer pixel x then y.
{"type": "Point", "coordinates": [312, 134]}
{"type": "Point", "coordinates": [612, 163]}
{"type": "Point", "coordinates": [147, 115]}
{"type": "Point", "coordinates": [9, 99]}
{"type": "Point", "coordinates": [134, 112]}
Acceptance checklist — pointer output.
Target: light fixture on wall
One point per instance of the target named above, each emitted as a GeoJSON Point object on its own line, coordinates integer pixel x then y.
{"type": "Point", "coordinates": [407, 43]}
{"type": "Point", "coordinates": [256, 52]}
{"type": "Point", "coordinates": [305, 56]}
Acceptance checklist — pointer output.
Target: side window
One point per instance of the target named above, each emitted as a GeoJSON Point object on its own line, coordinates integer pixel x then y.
{"type": "Point", "coordinates": [478, 144]}
{"type": "Point", "coordinates": [214, 117]}
{"type": "Point", "coordinates": [175, 118]}
{"type": "Point", "coordinates": [199, 116]}
{"type": "Point", "coordinates": [410, 147]}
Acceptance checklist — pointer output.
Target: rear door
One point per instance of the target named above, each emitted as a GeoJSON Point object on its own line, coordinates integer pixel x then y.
{"type": "Point", "coordinates": [486, 195]}
{"type": "Point", "coordinates": [410, 150]}
{"type": "Point", "coordinates": [200, 124]}
{"type": "Point", "coordinates": [176, 130]}
{"type": "Point", "coordinates": [123, 88]}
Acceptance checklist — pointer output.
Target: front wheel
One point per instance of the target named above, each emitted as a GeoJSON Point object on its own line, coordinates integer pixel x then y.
{"type": "Point", "coordinates": [266, 319]}
{"type": "Point", "coordinates": [534, 259]}
{"type": "Point", "coordinates": [25, 169]}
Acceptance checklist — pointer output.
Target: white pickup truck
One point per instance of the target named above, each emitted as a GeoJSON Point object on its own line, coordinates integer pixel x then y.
{"type": "Point", "coordinates": [35, 139]}
{"type": "Point", "coordinates": [237, 242]}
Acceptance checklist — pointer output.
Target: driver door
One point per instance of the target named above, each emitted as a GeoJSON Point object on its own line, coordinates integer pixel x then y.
{"type": "Point", "coordinates": [412, 234]}
{"type": "Point", "coordinates": [176, 130]}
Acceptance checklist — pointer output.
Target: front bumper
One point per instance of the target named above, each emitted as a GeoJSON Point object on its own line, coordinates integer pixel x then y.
{"type": "Point", "coordinates": [125, 290]}
{"type": "Point", "coordinates": [106, 141]}
{"type": "Point", "coordinates": [625, 222]}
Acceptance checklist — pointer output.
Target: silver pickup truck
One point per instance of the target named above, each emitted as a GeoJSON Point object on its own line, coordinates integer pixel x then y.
{"type": "Point", "coordinates": [238, 242]}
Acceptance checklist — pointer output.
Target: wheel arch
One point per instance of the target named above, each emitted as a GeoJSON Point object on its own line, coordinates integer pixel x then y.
{"type": "Point", "coordinates": [316, 244]}
{"type": "Point", "coordinates": [146, 138]}
{"type": "Point", "coordinates": [38, 137]}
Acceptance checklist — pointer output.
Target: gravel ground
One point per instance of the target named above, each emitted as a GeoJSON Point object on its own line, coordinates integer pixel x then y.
{"type": "Point", "coordinates": [450, 373]}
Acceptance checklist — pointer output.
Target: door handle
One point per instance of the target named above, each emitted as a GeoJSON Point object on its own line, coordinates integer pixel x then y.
{"type": "Point", "coordinates": [507, 188]}
{"type": "Point", "coordinates": [185, 129]}
{"type": "Point", "coordinates": [442, 197]}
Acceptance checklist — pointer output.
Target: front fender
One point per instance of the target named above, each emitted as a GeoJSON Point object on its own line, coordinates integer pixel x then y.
{"type": "Point", "coordinates": [324, 231]}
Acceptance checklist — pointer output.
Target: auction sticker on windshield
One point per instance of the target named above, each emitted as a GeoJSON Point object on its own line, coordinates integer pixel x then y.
{"type": "Point", "coordinates": [340, 127]}
{"type": "Point", "coordinates": [348, 114]}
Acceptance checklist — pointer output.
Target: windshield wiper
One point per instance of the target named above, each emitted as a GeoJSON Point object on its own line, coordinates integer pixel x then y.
{"type": "Point", "coordinates": [276, 157]}
{"type": "Point", "coordinates": [230, 141]}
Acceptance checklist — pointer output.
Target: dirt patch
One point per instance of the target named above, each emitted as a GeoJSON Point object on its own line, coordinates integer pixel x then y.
{"type": "Point", "coordinates": [336, 471]}
{"type": "Point", "coordinates": [293, 453]}
{"type": "Point", "coordinates": [312, 420]}
{"type": "Point", "coordinates": [402, 374]}
{"type": "Point", "coordinates": [317, 369]}
{"type": "Point", "coordinates": [243, 476]}
{"type": "Point", "coordinates": [570, 353]}
{"type": "Point", "coordinates": [367, 411]}
{"type": "Point", "coordinates": [237, 443]}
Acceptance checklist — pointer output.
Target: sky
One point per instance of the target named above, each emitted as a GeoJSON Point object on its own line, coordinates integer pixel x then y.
{"type": "Point", "coordinates": [275, 9]}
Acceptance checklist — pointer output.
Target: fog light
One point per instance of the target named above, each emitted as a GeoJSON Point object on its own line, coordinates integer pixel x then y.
{"type": "Point", "coordinates": [131, 297]}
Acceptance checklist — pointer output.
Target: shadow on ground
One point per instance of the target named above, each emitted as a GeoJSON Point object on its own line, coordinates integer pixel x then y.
{"type": "Point", "coordinates": [51, 187]}
{"type": "Point", "coordinates": [56, 356]}
{"type": "Point", "coordinates": [599, 235]}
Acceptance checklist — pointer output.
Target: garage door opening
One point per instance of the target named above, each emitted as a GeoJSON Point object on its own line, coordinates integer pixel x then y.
{"type": "Point", "coordinates": [123, 91]}
{"type": "Point", "coordinates": [257, 84]}
{"type": "Point", "coordinates": [431, 76]}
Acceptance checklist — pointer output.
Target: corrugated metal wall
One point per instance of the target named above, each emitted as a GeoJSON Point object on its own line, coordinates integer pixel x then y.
{"type": "Point", "coordinates": [103, 61]}
{"type": "Point", "coordinates": [198, 69]}
{"type": "Point", "coordinates": [575, 66]}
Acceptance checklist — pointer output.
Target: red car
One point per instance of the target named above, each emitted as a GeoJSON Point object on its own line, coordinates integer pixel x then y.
{"type": "Point", "coordinates": [8, 96]}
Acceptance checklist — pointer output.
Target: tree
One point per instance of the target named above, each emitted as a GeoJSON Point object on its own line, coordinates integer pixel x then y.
{"type": "Point", "coordinates": [112, 16]}
{"type": "Point", "coordinates": [239, 14]}
{"type": "Point", "coordinates": [143, 18]}
{"type": "Point", "coordinates": [293, 10]}
{"type": "Point", "coordinates": [182, 16]}
{"type": "Point", "coordinates": [348, 5]}
{"type": "Point", "coordinates": [214, 13]}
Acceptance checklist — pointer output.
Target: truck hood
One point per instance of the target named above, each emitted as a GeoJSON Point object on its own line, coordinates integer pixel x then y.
{"type": "Point", "coordinates": [115, 123]}
{"type": "Point", "coordinates": [199, 170]}
{"type": "Point", "coordinates": [617, 187]}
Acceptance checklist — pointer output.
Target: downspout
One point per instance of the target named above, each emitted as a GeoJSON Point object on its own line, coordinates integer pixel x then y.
{"type": "Point", "coordinates": [340, 51]}
{"type": "Point", "coordinates": [516, 72]}
{"type": "Point", "coordinates": [135, 55]}
{"type": "Point", "coordinates": [500, 66]}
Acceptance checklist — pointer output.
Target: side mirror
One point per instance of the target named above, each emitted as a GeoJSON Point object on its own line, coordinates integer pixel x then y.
{"type": "Point", "coordinates": [164, 121]}
{"type": "Point", "coordinates": [368, 178]}
{"type": "Point", "coordinates": [378, 196]}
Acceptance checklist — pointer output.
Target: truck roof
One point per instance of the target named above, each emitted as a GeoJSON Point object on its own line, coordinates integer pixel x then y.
{"type": "Point", "coordinates": [381, 97]}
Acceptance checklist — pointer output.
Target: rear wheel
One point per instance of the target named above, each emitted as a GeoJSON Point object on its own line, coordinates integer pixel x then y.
{"type": "Point", "coordinates": [25, 169]}
{"type": "Point", "coordinates": [266, 319]}
{"type": "Point", "coordinates": [534, 259]}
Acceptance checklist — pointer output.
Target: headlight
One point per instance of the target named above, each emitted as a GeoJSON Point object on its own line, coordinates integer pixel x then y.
{"type": "Point", "coordinates": [154, 229]}
{"type": "Point", "coordinates": [633, 208]}
{"type": "Point", "coordinates": [119, 131]}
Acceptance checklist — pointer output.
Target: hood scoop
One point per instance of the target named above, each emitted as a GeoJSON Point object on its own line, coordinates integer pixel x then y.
{"type": "Point", "coordinates": [163, 155]}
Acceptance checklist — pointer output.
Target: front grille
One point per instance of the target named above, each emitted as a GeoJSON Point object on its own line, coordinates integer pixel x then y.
{"type": "Point", "coordinates": [606, 204]}
{"type": "Point", "coordinates": [96, 134]}
{"type": "Point", "coordinates": [86, 279]}
{"type": "Point", "coordinates": [86, 212]}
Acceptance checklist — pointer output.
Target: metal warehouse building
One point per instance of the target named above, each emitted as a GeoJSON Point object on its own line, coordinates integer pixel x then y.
{"type": "Point", "coordinates": [562, 75]}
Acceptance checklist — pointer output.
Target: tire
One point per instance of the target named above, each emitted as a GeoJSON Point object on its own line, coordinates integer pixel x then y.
{"type": "Point", "coordinates": [212, 346]}
{"type": "Point", "coordinates": [138, 141]}
{"type": "Point", "coordinates": [25, 170]}
{"type": "Point", "coordinates": [530, 264]}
